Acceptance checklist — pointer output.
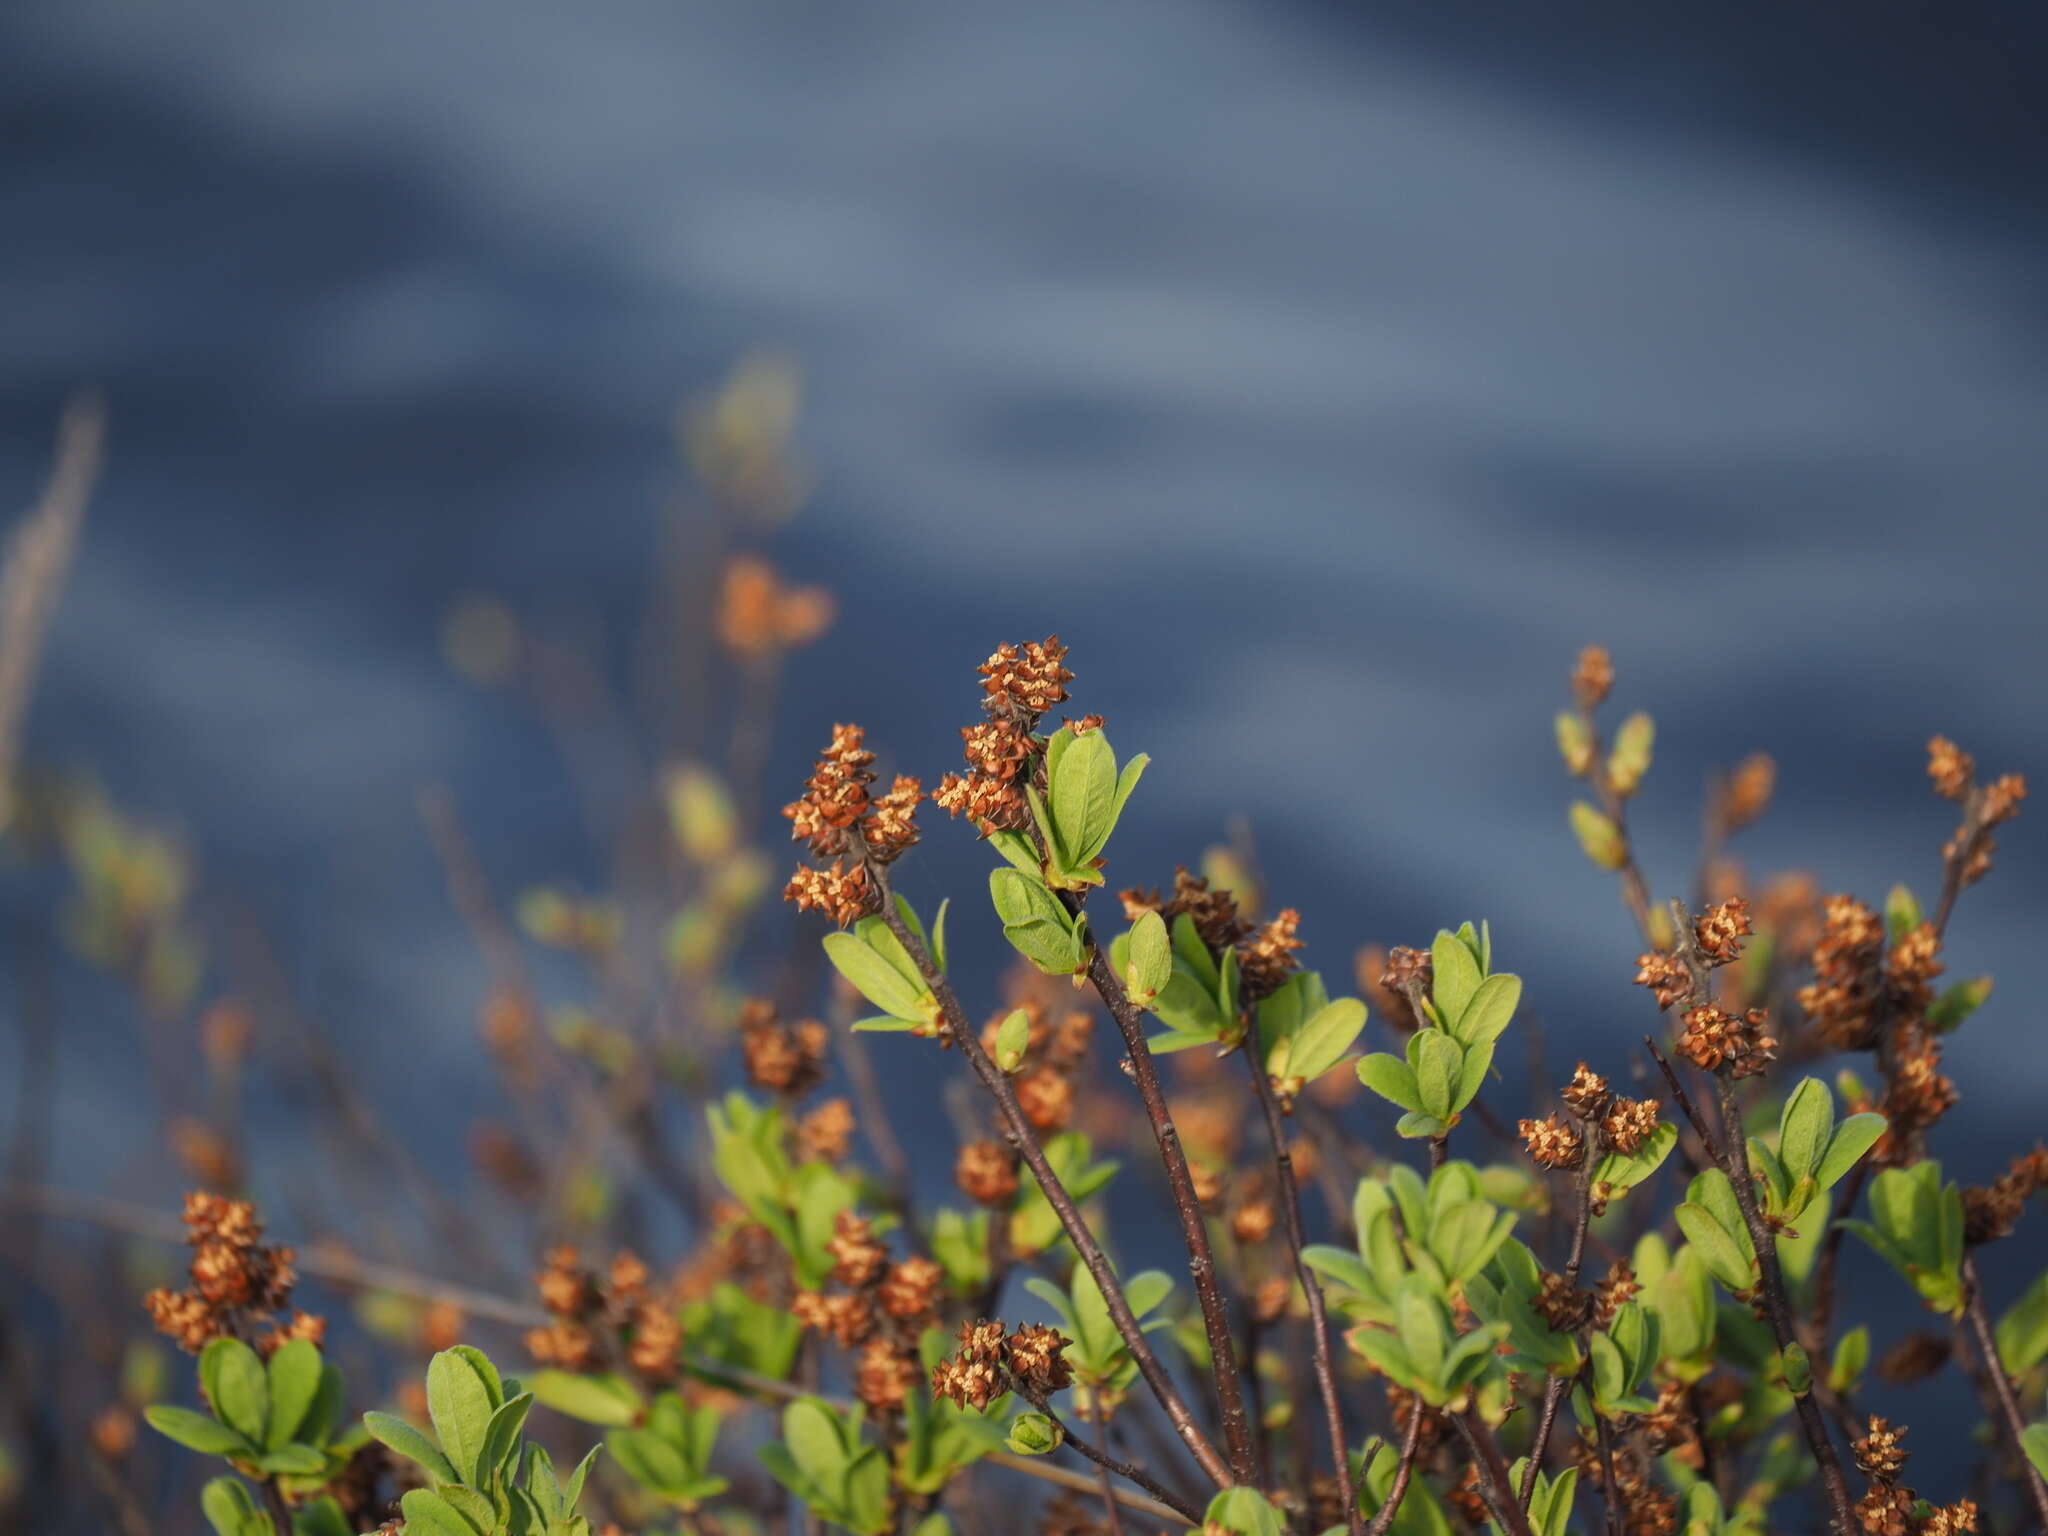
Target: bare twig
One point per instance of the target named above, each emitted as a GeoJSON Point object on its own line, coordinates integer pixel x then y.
{"type": "Point", "coordinates": [1311, 1286]}
{"type": "Point", "coordinates": [1109, 1465]}
{"type": "Point", "coordinates": [1770, 1277]}
{"type": "Point", "coordinates": [2012, 1423]}
{"type": "Point", "coordinates": [1554, 1390]}
{"type": "Point", "coordinates": [360, 1274]}
{"type": "Point", "coordinates": [1033, 1152]}
{"type": "Point", "coordinates": [1237, 1429]}
{"type": "Point", "coordinates": [38, 555]}
{"type": "Point", "coordinates": [1495, 1483]}
{"type": "Point", "coordinates": [1404, 1471]}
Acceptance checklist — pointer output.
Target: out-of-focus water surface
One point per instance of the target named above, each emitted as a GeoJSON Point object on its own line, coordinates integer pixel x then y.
{"type": "Point", "coordinates": [1325, 379]}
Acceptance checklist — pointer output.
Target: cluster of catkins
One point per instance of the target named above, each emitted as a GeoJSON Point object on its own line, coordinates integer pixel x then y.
{"type": "Point", "coordinates": [878, 1307]}
{"type": "Point", "coordinates": [1887, 1506]}
{"type": "Point", "coordinates": [991, 1361]}
{"type": "Point", "coordinates": [593, 1317]}
{"type": "Point", "coordinates": [838, 818]}
{"type": "Point", "coordinates": [239, 1282]}
{"type": "Point", "coordinates": [1605, 1122]}
{"type": "Point", "coordinates": [788, 1060]}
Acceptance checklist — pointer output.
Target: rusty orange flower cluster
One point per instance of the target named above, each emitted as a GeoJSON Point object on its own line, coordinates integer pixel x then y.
{"type": "Point", "coordinates": [786, 1059]}
{"type": "Point", "coordinates": [1552, 1143]}
{"type": "Point", "coordinates": [1715, 1040]}
{"type": "Point", "coordinates": [990, 1361]}
{"type": "Point", "coordinates": [238, 1280]}
{"type": "Point", "coordinates": [598, 1320]}
{"type": "Point", "coordinates": [882, 1306]}
{"type": "Point", "coordinates": [1266, 957]}
{"type": "Point", "coordinates": [837, 819]}
{"type": "Point", "coordinates": [1887, 1507]}
{"type": "Point", "coordinates": [1991, 1211]}
{"type": "Point", "coordinates": [759, 616]}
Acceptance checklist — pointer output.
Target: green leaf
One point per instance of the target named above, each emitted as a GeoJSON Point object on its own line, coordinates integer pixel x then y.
{"type": "Point", "coordinates": [1127, 781]}
{"type": "Point", "coordinates": [1390, 1078]}
{"type": "Point", "coordinates": [1033, 1434]}
{"type": "Point", "coordinates": [1852, 1138]}
{"type": "Point", "coordinates": [1599, 838]}
{"type": "Point", "coordinates": [501, 1435]}
{"type": "Point", "coordinates": [811, 1431]}
{"type": "Point", "coordinates": [1624, 1171]}
{"type": "Point", "coordinates": [411, 1444]}
{"type": "Point", "coordinates": [294, 1381]}
{"type": "Point", "coordinates": [1805, 1125]}
{"type": "Point", "coordinates": [1015, 847]}
{"type": "Point", "coordinates": [459, 1403]}
{"type": "Point", "coordinates": [231, 1511]}
{"type": "Point", "coordinates": [240, 1391]}
{"type": "Point", "coordinates": [1574, 745]}
{"type": "Point", "coordinates": [650, 1461]}
{"type": "Point", "coordinates": [1013, 1038]}
{"type": "Point", "coordinates": [2035, 1442]}
{"type": "Point", "coordinates": [1243, 1512]}
{"type": "Point", "coordinates": [1472, 1070]}
{"type": "Point", "coordinates": [1455, 976]}
{"type": "Point", "coordinates": [874, 977]}
{"type": "Point", "coordinates": [1321, 1042]}
{"type": "Point", "coordinates": [196, 1431]}
{"type": "Point", "coordinates": [1051, 947]}
{"type": "Point", "coordinates": [1630, 759]}
{"type": "Point", "coordinates": [429, 1514]}
{"type": "Point", "coordinates": [1437, 1062]}
{"type": "Point", "coordinates": [2023, 1331]}
{"type": "Point", "coordinates": [1081, 793]}
{"type": "Point", "coordinates": [1901, 912]}
{"type": "Point", "coordinates": [1415, 1125]}
{"type": "Point", "coordinates": [293, 1461]}
{"type": "Point", "coordinates": [1150, 966]}
{"type": "Point", "coordinates": [1490, 1010]}
{"type": "Point", "coordinates": [1957, 1002]}
{"type": "Point", "coordinates": [1728, 1259]}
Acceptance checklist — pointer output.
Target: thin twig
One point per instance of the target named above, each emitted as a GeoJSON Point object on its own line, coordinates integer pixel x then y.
{"type": "Point", "coordinates": [1311, 1286]}
{"type": "Point", "coordinates": [360, 1274]}
{"type": "Point", "coordinates": [1771, 1279]}
{"type": "Point", "coordinates": [1404, 1470]}
{"type": "Point", "coordinates": [1099, 1454]}
{"type": "Point", "coordinates": [2012, 1422]}
{"type": "Point", "coordinates": [1025, 1138]}
{"type": "Point", "coordinates": [1116, 1520]}
{"type": "Point", "coordinates": [1554, 1390]}
{"type": "Point", "coordinates": [1495, 1483]}
{"type": "Point", "coordinates": [38, 554]}
{"type": "Point", "coordinates": [1193, 1225]}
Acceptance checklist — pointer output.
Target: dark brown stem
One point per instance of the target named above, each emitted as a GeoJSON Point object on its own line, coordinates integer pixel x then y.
{"type": "Point", "coordinates": [280, 1512]}
{"type": "Point", "coordinates": [2012, 1424]}
{"type": "Point", "coordinates": [1404, 1470]}
{"type": "Point", "coordinates": [1732, 1158]}
{"type": "Point", "coordinates": [1194, 1229]}
{"type": "Point", "coordinates": [1831, 1251]}
{"type": "Point", "coordinates": [1735, 1160]}
{"type": "Point", "coordinates": [1554, 1391]}
{"type": "Point", "coordinates": [1110, 1465]}
{"type": "Point", "coordinates": [1610, 1494]}
{"type": "Point", "coordinates": [1311, 1286]}
{"type": "Point", "coordinates": [1101, 1460]}
{"type": "Point", "coordinates": [1496, 1487]}
{"type": "Point", "coordinates": [1025, 1138]}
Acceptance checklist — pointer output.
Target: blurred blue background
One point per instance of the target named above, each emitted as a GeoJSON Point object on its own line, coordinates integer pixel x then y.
{"type": "Point", "coordinates": [1325, 375]}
